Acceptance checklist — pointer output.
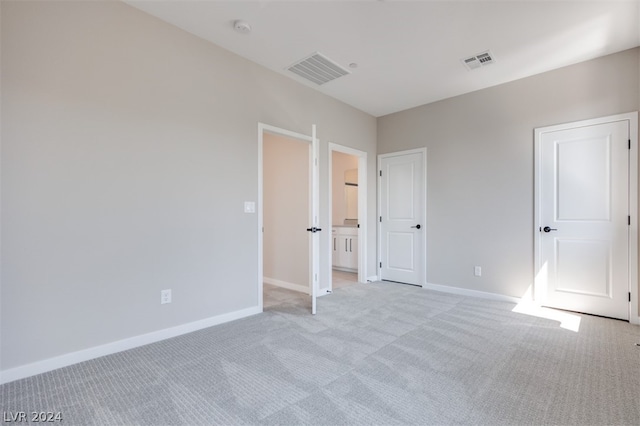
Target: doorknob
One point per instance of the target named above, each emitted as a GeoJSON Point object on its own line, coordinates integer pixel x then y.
{"type": "Point", "coordinates": [548, 229]}
{"type": "Point", "coordinates": [417, 226]}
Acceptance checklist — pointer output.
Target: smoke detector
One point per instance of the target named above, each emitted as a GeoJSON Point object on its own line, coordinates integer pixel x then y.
{"type": "Point", "coordinates": [480, 60]}
{"type": "Point", "coordinates": [242, 26]}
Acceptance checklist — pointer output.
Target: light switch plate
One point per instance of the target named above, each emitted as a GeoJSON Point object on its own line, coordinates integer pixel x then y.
{"type": "Point", "coordinates": [477, 271]}
{"type": "Point", "coordinates": [249, 207]}
{"type": "Point", "coordinates": [165, 296]}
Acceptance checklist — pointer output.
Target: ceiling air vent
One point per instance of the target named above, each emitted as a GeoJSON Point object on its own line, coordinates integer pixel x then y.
{"type": "Point", "coordinates": [318, 69]}
{"type": "Point", "coordinates": [480, 60]}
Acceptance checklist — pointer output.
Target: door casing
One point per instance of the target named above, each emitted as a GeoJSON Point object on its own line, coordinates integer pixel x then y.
{"type": "Point", "coordinates": [632, 119]}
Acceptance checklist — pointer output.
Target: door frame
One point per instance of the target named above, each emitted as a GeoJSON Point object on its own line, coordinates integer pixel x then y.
{"type": "Point", "coordinates": [266, 128]}
{"type": "Point", "coordinates": [423, 151]}
{"type": "Point", "coordinates": [632, 232]}
{"type": "Point", "coordinates": [362, 212]}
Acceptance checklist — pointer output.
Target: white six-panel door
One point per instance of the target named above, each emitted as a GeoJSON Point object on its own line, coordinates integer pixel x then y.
{"type": "Point", "coordinates": [584, 219]}
{"type": "Point", "coordinates": [402, 217]}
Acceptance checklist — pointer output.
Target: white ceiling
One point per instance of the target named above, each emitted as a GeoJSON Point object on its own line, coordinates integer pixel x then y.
{"type": "Point", "coordinates": [408, 52]}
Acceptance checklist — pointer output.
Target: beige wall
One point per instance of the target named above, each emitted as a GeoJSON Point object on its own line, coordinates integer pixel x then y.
{"type": "Point", "coordinates": [340, 162]}
{"type": "Point", "coordinates": [480, 165]}
{"type": "Point", "coordinates": [286, 209]}
{"type": "Point", "coordinates": [128, 150]}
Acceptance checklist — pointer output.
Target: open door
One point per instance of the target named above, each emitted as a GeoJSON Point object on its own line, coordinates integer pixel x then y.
{"type": "Point", "coordinates": [314, 241]}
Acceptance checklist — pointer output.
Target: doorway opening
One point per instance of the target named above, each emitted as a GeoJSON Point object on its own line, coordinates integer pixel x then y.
{"type": "Point", "coordinates": [287, 208]}
{"type": "Point", "coordinates": [347, 216]}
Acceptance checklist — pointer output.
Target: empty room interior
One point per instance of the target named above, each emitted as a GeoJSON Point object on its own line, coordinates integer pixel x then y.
{"type": "Point", "coordinates": [319, 212]}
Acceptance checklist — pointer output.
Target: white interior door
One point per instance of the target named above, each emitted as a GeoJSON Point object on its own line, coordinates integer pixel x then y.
{"type": "Point", "coordinates": [314, 229]}
{"type": "Point", "coordinates": [584, 220]}
{"type": "Point", "coordinates": [402, 217]}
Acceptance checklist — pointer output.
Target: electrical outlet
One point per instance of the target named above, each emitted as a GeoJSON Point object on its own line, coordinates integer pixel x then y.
{"type": "Point", "coordinates": [477, 271]}
{"type": "Point", "coordinates": [165, 296]}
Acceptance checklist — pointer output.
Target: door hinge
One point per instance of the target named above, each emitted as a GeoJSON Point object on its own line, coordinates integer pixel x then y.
{"type": "Point", "coordinates": [380, 219]}
{"type": "Point", "coordinates": [629, 143]}
{"type": "Point", "coordinates": [380, 173]}
{"type": "Point", "coordinates": [628, 220]}
{"type": "Point", "coordinates": [629, 296]}
{"type": "Point", "coordinates": [381, 264]}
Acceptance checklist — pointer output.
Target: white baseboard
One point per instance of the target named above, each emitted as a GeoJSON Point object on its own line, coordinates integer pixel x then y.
{"type": "Point", "coordinates": [65, 360]}
{"type": "Point", "coordinates": [284, 284]}
{"type": "Point", "coordinates": [372, 278]}
{"type": "Point", "coordinates": [471, 293]}
{"type": "Point", "coordinates": [635, 321]}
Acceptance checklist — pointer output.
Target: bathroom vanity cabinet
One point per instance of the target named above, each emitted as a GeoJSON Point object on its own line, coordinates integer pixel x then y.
{"type": "Point", "coordinates": [345, 248]}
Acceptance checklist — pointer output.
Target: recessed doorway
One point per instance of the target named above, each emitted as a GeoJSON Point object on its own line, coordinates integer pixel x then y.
{"type": "Point", "coordinates": [347, 215]}
{"type": "Point", "coordinates": [288, 253]}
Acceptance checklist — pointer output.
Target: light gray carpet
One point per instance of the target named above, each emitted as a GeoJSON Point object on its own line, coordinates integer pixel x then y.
{"type": "Point", "coordinates": [376, 354]}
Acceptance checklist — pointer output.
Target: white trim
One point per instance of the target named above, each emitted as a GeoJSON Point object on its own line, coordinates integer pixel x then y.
{"type": "Point", "coordinates": [314, 217]}
{"type": "Point", "coordinates": [260, 290]}
{"type": "Point", "coordinates": [285, 284]}
{"type": "Point", "coordinates": [372, 279]}
{"type": "Point", "coordinates": [362, 209]}
{"type": "Point", "coordinates": [283, 132]}
{"type": "Point", "coordinates": [65, 360]}
{"type": "Point", "coordinates": [471, 293]}
{"type": "Point", "coordinates": [632, 118]}
{"type": "Point", "coordinates": [424, 208]}
{"type": "Point", "coordinates": [266, 128]}
{"type": "Point", "coordinates": [634, 315]}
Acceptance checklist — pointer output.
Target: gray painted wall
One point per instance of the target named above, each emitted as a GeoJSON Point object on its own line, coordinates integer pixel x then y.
{"type": "Point", "coordinates": [128, 149]}
{"type": "Point", "coordinates": [480, 164]}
